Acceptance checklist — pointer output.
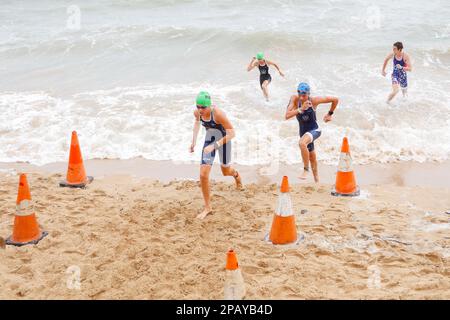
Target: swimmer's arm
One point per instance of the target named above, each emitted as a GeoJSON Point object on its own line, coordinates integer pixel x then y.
{"type": "Point", "coordinates": [222, 119]}
{"type": "Point", "coordinates": [291, 110]}
{"type": "Point", "coordinates": [252, 64]}
{"type": "Point", "coordinates": [334, 102]}
{"type": "Point", "coordinates": [196, 127]}
{"type": "Point", "coordinates": [388, 57]}
{"type": "Point", "coordinates": [408, 66]}
{"type": "Point", "coordinates": [270, 63]}
{"type": "Point", "coordinates": [326, 99]}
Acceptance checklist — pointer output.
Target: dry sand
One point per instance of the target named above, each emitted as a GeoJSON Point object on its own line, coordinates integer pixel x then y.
{"type": "Point", "coordinates": [135, 238]}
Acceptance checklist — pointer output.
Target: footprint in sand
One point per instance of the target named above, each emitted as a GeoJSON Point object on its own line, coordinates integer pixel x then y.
{"type": "Point", "coordinates": [319, 229]}
{"type": "Point", "coordinates": [322, 252]}
{"type": "Point", "coordinates": [79, 224]}
{"type": "Point", "coordinates": [251, 269]}
{"type": "Point", "coordinates": [308, 190]}
{"type": "Point", "coordinates": [100, 266]}
{"type": "Point", "coordinates": [74, 252]}
{"type": "Point", "coordinates": [24, 270]}
{"type": "Point", "coordinates": [52, 197]}
{"type": "Point", "coordinates": [263, 264]}
{"type": "Point", "coordinates": [99, 192]}
{"type": "Point", "coordinates": [356, 265]}
{"type": "Point", "coordinates": [434, 257]}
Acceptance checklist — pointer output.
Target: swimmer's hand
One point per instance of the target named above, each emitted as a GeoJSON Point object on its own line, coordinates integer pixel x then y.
{"type": "Point", "coordinates": [383, 73]}
{"type": "Point", "coordinates": [208, 149]}
{"type": "Point", "coordinates": [281, 74]}
{"type": "Point", "coordinates": [306, 105]}
{"type": "Point", "coordinates": [191, 148]}
{"type": "Point", "coordinates": [327, 118]}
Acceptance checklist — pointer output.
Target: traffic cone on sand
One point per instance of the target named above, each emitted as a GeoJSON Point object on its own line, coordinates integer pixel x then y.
{"type": "Point", "coordinates": [345, 177]}
{"type": "Point", "coordinates": [76, 175]}
{"type": "Point", "coordinates": [234, 282]}
{"type": "Point", "coordinates": [284, 230]}
{"type": "Point", "coordinates": [26, 229]}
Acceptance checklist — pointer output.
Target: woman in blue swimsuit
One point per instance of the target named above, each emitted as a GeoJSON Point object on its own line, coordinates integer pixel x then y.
{"type": "Point", "coordinates": [303, 107]}
{"type": "Point", "coordinates": [264, 76]}
{"type": "Point", "coordinates": [219, 133]}
{"type": "Point", "coordinates": [401, 64]}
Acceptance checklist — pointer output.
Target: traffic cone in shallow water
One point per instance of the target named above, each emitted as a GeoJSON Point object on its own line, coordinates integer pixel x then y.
{"type": "Point", "coordinates": [284, 230]}
{"type": "Point", "coordinates": [234, 282]}
{"type": "Point", "coordinates": [76, 175]}
{"type": "Point", "coordinates": [345, 178]}
{"type": "Point", "coordinates": [26, 229]}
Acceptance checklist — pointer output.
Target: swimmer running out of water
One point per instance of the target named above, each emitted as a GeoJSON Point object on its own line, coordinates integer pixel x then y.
{"type": "Point", "coordinates": [401, 64]}
{"type": "Point", "coordinates": [219, 133]}
{"type": "Point", "coordinates": [264, 75]}
{"type": "Point", "coordinates": [303, 107]}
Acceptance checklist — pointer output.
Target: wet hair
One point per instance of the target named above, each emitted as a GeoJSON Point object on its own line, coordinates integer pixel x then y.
{"type": "Point", "coordinates": [398, 45]}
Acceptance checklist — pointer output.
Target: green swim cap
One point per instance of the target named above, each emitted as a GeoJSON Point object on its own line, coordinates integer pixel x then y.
{"type": "Point", "coordinates": [203, 99]}
{"type": "Point", "coordinates": [260, 56]}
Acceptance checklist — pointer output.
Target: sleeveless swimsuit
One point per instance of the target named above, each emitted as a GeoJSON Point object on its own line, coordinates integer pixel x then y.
{"type": "Point", "coordinates": [264, 74]}
{"type": "Point", "coordinates": [308, 124]}
{"type": "Point", "coordinates": [399, 75]}
{"type": "Point", "coordinates": [215, 132]}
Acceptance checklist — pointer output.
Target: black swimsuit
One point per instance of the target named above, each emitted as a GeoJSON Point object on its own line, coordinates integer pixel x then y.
{"type": "Point", "coordinates": [264, 74]}
{"type": "Point", "coordinates": [214, 132]}
{"type": "Point", "coordinates": [307, 122]}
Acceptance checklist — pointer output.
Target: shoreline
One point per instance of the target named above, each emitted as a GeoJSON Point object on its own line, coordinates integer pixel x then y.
{"type": "Point", "coordinates": [411, 174]}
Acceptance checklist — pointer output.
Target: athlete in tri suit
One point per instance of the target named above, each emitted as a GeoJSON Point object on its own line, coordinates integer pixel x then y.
{"type": "Point", "coordinates": [303, 107]}
{"type": "Point", "coordinates": [219, 133]}
{"type": "Point", "coordinates": [401, 64]}
{"type": "Point", "coordinates": [264, 75]}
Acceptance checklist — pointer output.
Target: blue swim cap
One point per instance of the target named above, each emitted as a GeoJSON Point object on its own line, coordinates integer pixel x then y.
{"type": "Point", "coordinates": [303, 87]}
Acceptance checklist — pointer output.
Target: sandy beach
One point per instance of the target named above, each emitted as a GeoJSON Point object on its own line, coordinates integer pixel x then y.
{"type": "Point", "coordinates": [131, 237]}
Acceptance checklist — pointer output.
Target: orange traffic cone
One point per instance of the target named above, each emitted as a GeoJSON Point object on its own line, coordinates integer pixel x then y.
{"type": "Point", "coordinates": [284, 230]}
{"type": "Point", "coordinates": [76, 175]}
{"type": "Point", "coordinates": [234, 282]}
{"type": "Point", "coordinates": [345, 178]}
{"type": "Point", "coordinates": [26, 229]}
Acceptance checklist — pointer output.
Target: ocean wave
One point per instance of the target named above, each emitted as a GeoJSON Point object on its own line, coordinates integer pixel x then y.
{"type": "Point", "coordinates": [126, 79]}
{"type": "Point", "coordinates": [155, 122]}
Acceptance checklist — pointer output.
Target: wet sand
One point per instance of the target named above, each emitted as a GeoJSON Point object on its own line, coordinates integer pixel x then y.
{"type": "Point", "coordinates": [400, 174]}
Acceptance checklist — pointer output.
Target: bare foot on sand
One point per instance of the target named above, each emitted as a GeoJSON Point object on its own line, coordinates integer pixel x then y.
{"type": "Point", "coordinates": [204, 213]}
